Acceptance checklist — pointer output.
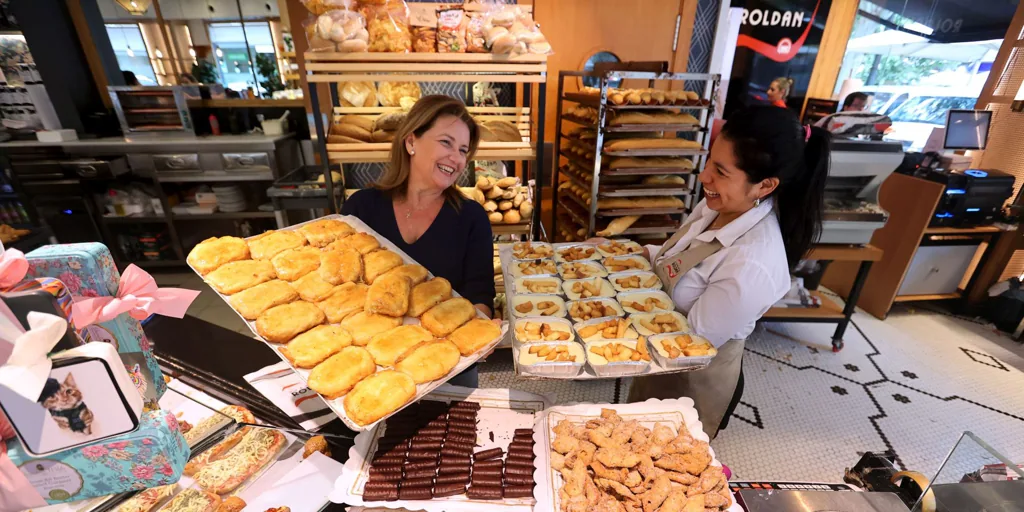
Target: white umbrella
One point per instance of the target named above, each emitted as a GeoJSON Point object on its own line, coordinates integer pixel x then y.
{"type": "Point", "coordinates": [895, 42]}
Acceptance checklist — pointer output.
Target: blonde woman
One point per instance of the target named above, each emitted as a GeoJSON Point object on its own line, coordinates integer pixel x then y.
{"type": "Point", "coordinates": [417, 206]}
{"type": "Point", "coordinates": [778, 91]}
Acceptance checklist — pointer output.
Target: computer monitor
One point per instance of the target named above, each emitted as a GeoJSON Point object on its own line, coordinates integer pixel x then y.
{"type": "Point", "coordinates": [967, 129]}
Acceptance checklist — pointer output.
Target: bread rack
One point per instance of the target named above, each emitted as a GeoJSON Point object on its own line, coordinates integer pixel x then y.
{"type": "Point", "coordinates": [529, 70]}
{"type": "Point", "coordinates": [587, 172]}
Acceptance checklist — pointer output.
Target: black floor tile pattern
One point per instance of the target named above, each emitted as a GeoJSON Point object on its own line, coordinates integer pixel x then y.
{"type": "Point", "coordinates": [757, 415]}
{"type": "Point", "coordinates": [984, 359]}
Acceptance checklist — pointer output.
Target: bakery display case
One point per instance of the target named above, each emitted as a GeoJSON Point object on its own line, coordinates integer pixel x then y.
{"type": "Point", "coordinates": [151, 111]}
{"type": "Point", "coordinates": [626, 159]}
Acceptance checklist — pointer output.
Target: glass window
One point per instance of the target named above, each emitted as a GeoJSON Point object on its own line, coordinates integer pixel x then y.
{"type": "Point", "coordinates": [130, 49]}
{"type": "Point", "coordinates": [233, 62]}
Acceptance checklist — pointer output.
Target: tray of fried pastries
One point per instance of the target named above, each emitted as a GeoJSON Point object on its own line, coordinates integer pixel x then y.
{"type": "Point", "coordinates": [364, 325]}
{"type": "Point", "coordinates": [456, 450]}
{"type": "Point", "coordinates": [572, 319]}
{"type": "Point", "coordinates": [648, 456]}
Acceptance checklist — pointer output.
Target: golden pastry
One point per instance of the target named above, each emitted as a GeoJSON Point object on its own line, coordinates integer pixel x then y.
{"type": "Point", "coordinates": [257, 449]}
{"type": "Point", "coordinates": [363, 326]}
{"type": "Point", "coordinates": [280, 324]}
{"type": "Point", "coordinates": [429, 360]}
{"type": "Point", "coordinates": [345, 300]}
{"type": "Point", "coordinates": [325, 231]}
{"type": "Point", "coordinates": [474, 335]}
{"type": "Point", "coordinates": [427, 295]}
{"type": "Point", "coordinates": [388, 346]}
{"type": "Point", "coordinates": [416, 273]}
{"type": "Point", "coordinates": [362, 242]}
{"type": "Point", "coordinates": [313, 346]}
{"type": "Point", "coordinates": [447, 316]}
{"type": "Point", "coordinates": [271, 243]}
{"type": "Point", "coordinates": [295, 263]}
{"type": "Point", "coordinates": [379, 395]}
{"type": "Point", "coordinates": [336, 376]}
{"type": "Point", "coordinates": [211, 253]}
{"type": "Point", "coordinates": [344, 265]}
{"type": "Point", "coordinates": [236, 276]}
{"type": "Point", "coordinates": [148, 499]}
{"type": "Point", "coordinates": [389, 295]}
{"type": "Point", "coordinates": [193, 500]}
{"type": "Point", "coordinates": [231, 504]}
{"type": "Point", "coordinates": [312, 287]}
{"type": "Point", "coordinates": [377, 263]}
{"type": "Point", "coordinates": [254, 301]}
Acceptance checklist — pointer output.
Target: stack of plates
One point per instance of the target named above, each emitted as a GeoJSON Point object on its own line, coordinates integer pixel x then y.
{"type": "Point", "coordinates": [230, 198]}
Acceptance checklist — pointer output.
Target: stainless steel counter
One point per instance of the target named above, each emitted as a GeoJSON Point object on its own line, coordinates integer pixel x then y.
{"type": "Point", "coordinates": [120, 145]}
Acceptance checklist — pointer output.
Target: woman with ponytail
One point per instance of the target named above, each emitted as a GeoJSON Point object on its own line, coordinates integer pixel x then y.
{"type": "Point", "coordinates": [778, 91]}
{"type": "Point", "coordinates": [764, 183]}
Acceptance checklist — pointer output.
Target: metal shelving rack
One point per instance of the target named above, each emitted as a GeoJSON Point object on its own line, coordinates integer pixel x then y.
{"type": "Point", "coordinates": [529, 70]}
{"type": "Point", "coordinates": [658, 220]}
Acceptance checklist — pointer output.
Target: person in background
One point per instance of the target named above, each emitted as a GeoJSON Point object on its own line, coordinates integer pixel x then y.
{"type": "Point", "coordinates": [187, 79]}
{"type": "Point", "coordinates": [855, 102]}
{"type": "Point", "coordinates": [130, 79]}
{"type": "Point", "coordinates": [778, 91]}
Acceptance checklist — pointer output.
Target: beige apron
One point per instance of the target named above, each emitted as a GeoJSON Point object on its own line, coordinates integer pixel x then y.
{"type": "Point", "coordinates": [712, 388]}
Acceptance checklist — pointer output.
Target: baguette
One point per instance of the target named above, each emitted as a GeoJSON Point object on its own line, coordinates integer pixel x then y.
{"type": "Point", "coordinates": [356, 120]}
{"type": "Point", "coordinates": [351, 130]}
{"type": "Point", "coordinates": [193, 500]}
{"type": "Point", "coordinates": [255, 450]}
{"type": "Point", "coordinates": [628, 144]}
{"type": "Point", "coordinates": [653, 118]}
{"type": "Point", "coordinates": [382, 136]}
{"type": "Point", "coordinates": [648, 162]}
{"type": "Point", "coordinates": [640, 202]}
{"type": "Point", "coordinates": [342, 139]}
{"type": "Point", "coordinates": [389, 122]}
{"type": "Point", "coordinates": [618, 225]}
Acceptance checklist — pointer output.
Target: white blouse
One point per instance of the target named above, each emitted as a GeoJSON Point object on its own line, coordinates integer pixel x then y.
{"type": "Point", "coordinates": [727, 293]}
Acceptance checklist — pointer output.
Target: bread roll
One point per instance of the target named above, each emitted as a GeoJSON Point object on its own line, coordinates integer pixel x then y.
{"type": "Point", "coordinates": [505, 205]}
{"type": "Point", "coordinates": [353, 46]}
{"type": "Point", "coordinates": [503, 44]}
{"type": "Point", "coordinates": [490, 206]}
{"type": "Point", "coordinates": [500, 131]}
{"type": "Point", "coordinates": [526, 209]}
{"type": "Point", "coordinates": [494, 217]}
{"type": "Point", "coordinates": [511, 217]}
{"type": "Point", "coordinates": [361, 121]}
{"type": "Point", "coordinates": [494, 192]}
{"type": "Point", "coordinates": [507, 182]}
{"type": "Point", "coordinates": [358, 94]}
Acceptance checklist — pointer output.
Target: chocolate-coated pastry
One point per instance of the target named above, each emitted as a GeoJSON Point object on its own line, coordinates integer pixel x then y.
{"type": "Point", "coordinates": [518, 491]}
{"type": "Point", "coordinates": [451, 489]}
{"type": "Point", "coordinates": [484, 493]}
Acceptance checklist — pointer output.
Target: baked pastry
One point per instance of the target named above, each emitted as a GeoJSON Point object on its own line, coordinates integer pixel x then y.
{"type": "Point", "coordinates": [388, 346]}
{"type": "Point", "coordinates": [618, 225]}
{"type": "Point", "coordinates": [444, 318]}
{"type": "Point", "coordinates": [255, 450]}
{"type": "Point", "coordinates": [652, 117]}
{"type": "Point", "coordinates": [631, 144]}
{"type": "Point", "coordinates": [363, 122]}
{"type": "Point", "coordinates": [211, 253]}
{"type": "Point", "coordinates": [664, 179]}
{"type": "Point", "coordinates": [640, 202]}
{"type": "Point", "coordinates": [344, 265]}
{"type": "Point", "coordinates": [148, 499]}
{"type": "Point", "coordinates": [390, 94]}
{"type": "Point", "coordinates": [345, 300]}
{"type": "Point", "coordinates": [312, 287]}
{"type": "Point", "coordinates": [269, 244]}
{"type": "Point", "coordinates": [429, 360]}
{"type": "Point", "coordinates": [474, 335]}
{"type": "Point", "coordinates": [501, 131]}
{"type": "Point", "coordinates": [254, 301]}
{"type": "Point", "coordinates": [389, 122]}
{"type": "Point", "coordinates": [231, 504]}
{"type": "Point", "coordinates": [324, 231]}
{"type": "Point", "coordinates": [336, 376]}
{"type": "Point", "coordinates": [350, 130]}
{"type": "Point", "coordinates": [193, 500]}
{"type": "Point", "coordinates": [280, 324]}
{"type": "Point", "coordinates": [363, 326]}
{"type": "Point", "coordinates": [362, 242]}
{"type": "Point", "coordinates": [316, 444]}
{"type": "Point", "coordinates": [416, 273]}
{"type": "Point", "coordinates": [295, 263]}
{"type": "Point", "coordinates": [383, 136]}
{"type": "Point", "coordinates": [236, 276]}
{"type": "Point", "coordinates": [620, 162]}
{"type": "Point", "coordinates": [427, 295]}
{"type": "Point", "coordinates": [379, 395]}
{"type": "Point", "coordinates": [389, 295]}
{"type": "Point", "coordinates": [239, 414]}
{"type": "Point", "coordinates": [357, 94]}
{"type": "Point", "coordinates": [377, 263]}
{"type": "Point", "coordinates": [313, 346]}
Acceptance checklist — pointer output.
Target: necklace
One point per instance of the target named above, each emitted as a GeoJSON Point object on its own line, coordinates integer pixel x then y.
{"type": "Point", "coordinates": [410, 210]}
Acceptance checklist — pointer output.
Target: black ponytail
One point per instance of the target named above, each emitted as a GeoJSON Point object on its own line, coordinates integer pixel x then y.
{"type": "Point", "coordinates": [770, 142]}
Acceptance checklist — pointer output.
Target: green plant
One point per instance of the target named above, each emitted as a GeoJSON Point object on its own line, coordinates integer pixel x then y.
{"type": "Point", "coordinates": [267, 69]}
{"type": "Point", "coordinates": [204, 72]}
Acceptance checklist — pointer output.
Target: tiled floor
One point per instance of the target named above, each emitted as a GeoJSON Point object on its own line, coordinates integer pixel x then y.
{"type": "Point", "coordinates": [910, 384]}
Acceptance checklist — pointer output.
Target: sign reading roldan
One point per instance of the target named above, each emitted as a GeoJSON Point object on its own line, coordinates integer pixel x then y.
{"type": "Point", "coordinates": [772, 18]}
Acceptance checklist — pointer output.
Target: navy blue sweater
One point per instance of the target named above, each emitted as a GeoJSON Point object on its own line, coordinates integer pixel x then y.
{"type": "Point", "coordinates": [457, 246]}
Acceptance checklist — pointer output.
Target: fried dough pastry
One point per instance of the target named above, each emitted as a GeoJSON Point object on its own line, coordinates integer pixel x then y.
{"type": "Point", "coordinates": [339, 373]}
{"type": "Point", "coordinates": [429, 360]}
{"type": "Point", "coordinates": [213, 252]}
{"type": "Point", "coordinates": [363, 326]}
{"type": "Point", "coordinates": [474, 335]}
{"type": "Point", "coordinates": [363, 243]}
{"type": "Point", "coordinates": [254, 301]}
{"type": "Point", "coordinates": [345, 300]}
{"type": "Point", "coordinates": [389, 295]}
{"type": "Point", "coordinates": [312, 287]}
{"type": "Point", "coordinates": [447, 316]}
{"type": "Point", "coordinates": [377, 263]}
{"type": "Point", "coordinates": [416, 273]}
{"type": "Point", "coordinates": [324, 231]}
{"type": "Point", "coordinates": [295, 263]}
{"type": "Point", "coordinates": [344, 265]}
{"type": "Point", "coordinates": [379, 395]}
{"type": "Point", "coordinates": [280, 324]}
{"type": "Point", "coordinates": [388, 346]}
{"type": "Point", "coordinates": [313, 346]}
{"type": "Point", "coordinates": [236, 276]}
{"type": "Point", "coordinates": [272, 243]}
{"type": "Point", "coordinates": [428, 294]}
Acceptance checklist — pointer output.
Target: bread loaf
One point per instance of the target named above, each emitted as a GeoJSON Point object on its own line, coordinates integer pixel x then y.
{"type": "Point", "coordinates": [628, 144]}
{"type": "Point", "coordinates": [652, 117]}
{"type": "Point", "coordinates": [622, 162]}
{"type": "Point", "coordinates": [501, 131]}
{"type": "Point", "coordinates": [389, 122]}
{"type": "Point", "coordinates": [353, 131]}
{"type": "Point", "coordinates": [361, 121]}
{"type": "Point", "coordinates": [342, 139]}
{"type": "Point", "coordinates": [383, 136]}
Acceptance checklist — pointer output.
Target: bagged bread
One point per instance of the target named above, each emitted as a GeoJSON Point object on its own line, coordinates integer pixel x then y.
{"type": "Point", "coordinates": [390, 94]}
{"type": "Point", "coordinates": [423, 20]}
{"type": "Point", "coordinates": [424, 40]}
{"type": "Point", "coordinates": [388, 24]}
{"type": "Point", "coordinates": [475, 42]}
{"type": "Point", "coordinates": [347, 29]}
{"type": "Point", "coordinates": [451, 30]}
{"type": "Point", "coordinates": [358, 94]}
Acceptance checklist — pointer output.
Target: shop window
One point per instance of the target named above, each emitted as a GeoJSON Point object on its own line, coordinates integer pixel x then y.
{"type": "Point", "coordinates": [237, 64]}
{"type": "Point", "coordinates": [917, 60]}
{"type": "Point", "coordinates": [130, 49]}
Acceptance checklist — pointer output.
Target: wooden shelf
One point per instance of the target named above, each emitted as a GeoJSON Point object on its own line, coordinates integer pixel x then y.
{"type": "Point", "coordinates": [244, 103]}
{"type": "Point", "coordinates": [425, 67]}
{"type": "Point", "coordinates": [522, 228]}
{"type": "Point", "coordinates": [622, 212]}
{"type": "Point", "coordinates": [380, 152]}
{"type": "Point", "coordinates": [961, 231]}
{"type": "Point", "coordinates": [657, 152]}
{"type": "Point", "coordinates": [833, 252]}
{"type": "Point", "coordinates": [829, 309]}
{"type": "Point", "coordinates": [594, 101]}
{"type": "Point", "coordinates": [929, 296]}
{"type": "Point", "coordinates": [654, 128]}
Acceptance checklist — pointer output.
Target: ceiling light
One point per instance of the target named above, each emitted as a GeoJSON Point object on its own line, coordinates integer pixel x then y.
{"type": "Point", "coordinates": [159, 54]}
{"type": "Point", "coordinates": [129, 51]}
{"type": "Point", "coordinates": [220, 53]}
{"type": "Point", "coordinates": [192, 52]}
{"type": "Point", "coordinates": [134, 7]}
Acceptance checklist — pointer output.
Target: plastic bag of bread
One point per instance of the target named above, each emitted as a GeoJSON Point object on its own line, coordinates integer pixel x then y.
{"type": "Point", "coordinates": [423, 20]}
{"type": "Point", "coordinates": [319, 7]}
{"type": "Point", "coordinates": [391, 94]}
{"type": "Point", "coordinates": [357, 94]}
{"type": "Point", "coordinates": [511, 30]}
{"type": "Point", "coordinates": [317, 43]}
{"type": "Point", "coordinates": [475, 37]}
{"type": "Point", "coordinates": [451, 30]}
{"type": "Point", "coordinates": [388, 24]}
{"type": "Point", "coordinates": [346, 29]}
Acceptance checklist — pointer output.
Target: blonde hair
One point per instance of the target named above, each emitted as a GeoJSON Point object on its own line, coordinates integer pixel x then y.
{"type": "Point", "coordinates": [784, 84]}
{"type": "Point", "coordinates": [421, 118]}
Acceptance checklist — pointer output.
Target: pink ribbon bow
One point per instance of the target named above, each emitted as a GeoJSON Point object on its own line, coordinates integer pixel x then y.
{"type": "Point", "coordinates": [138, 295]}
{"type": "Point", "coordinates": [13, 267]}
